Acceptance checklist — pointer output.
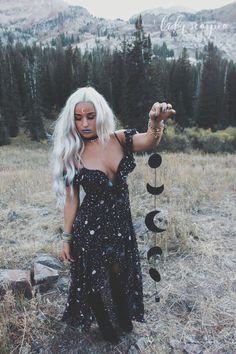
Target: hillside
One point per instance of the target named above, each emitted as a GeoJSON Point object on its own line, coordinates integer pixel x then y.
{"type": "Point", "coordinates": [32, 21]}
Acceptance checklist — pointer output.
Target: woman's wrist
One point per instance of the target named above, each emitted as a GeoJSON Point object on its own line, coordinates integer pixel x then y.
{"type": "Point", "coordinates": [156, 128]}
{"type": "Point", "coordinates": [67, 237]}
{"type": "Point", "coordinates": [156, 123]}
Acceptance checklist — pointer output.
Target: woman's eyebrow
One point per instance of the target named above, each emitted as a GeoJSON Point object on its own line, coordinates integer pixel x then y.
{"type": "Point", "coordinates": [78, 114]}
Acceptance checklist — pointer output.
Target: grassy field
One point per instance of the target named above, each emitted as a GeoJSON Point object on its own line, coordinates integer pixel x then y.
{"type": "Point", "coordinates": [196, 312]}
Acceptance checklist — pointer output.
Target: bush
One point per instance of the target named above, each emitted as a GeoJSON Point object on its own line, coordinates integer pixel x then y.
{"type": "Point", "coordinates": [197, 138]}
{"type": "Point", "coordinates": [212, 142]}
{"type": "Point", "coordinates": [174, 142]}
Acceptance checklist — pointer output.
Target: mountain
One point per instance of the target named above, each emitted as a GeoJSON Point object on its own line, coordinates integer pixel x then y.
{"type": "Point", "coordinates": [166, 10]}
{"type": "Point", "coordinates": [226, 14]}
{"type": "Point", "coordinates": [25, 13]}
{"type": "Point", "coordinates": [44, 20]}
{"type": "Point", "coordinates": [180, 28]}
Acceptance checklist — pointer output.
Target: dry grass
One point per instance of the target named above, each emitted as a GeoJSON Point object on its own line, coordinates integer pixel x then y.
{"type": "Point", "coordinates": [196, 313]}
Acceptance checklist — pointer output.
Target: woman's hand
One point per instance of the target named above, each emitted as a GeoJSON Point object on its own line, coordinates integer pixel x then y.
{"type": "Point", "coordinates": [66, 253]}
{"type": "Point", "coordinates": [161, 111]}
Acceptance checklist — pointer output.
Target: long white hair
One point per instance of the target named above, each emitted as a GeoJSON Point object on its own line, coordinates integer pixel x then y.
{"type": "Point", "coordinates": [67, 142]}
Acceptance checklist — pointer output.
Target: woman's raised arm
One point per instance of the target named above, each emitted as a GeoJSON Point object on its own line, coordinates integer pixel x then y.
{"type": "Point", "coordinates": [157, 115]}
{"type": "Point", "coordinates": [144, 141]}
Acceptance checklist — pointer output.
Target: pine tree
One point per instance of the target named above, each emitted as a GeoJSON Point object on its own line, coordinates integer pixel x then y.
{"type": "Point", "coordinates": [11, 108]}
{"type": "Point", "coordinates": [183, 88]}
{"type": "Point", "coordinates": [209, 103]}
{"type": "Point", "coordinates": [136, 81]}
{"type": "Point", "coordinates": [33, 116]}
{"type": "Point", "coordinates": [230, 91]}
{"type": "Point", "coordinates": [4, 136]}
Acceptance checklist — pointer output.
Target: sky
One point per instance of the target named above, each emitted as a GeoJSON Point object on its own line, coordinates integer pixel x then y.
{"type": "Point", "coordinates": [125, 9]}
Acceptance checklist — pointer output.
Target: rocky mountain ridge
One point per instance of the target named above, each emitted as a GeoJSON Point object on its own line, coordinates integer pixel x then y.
{"type": "Point", "coordinates": [44, 20]}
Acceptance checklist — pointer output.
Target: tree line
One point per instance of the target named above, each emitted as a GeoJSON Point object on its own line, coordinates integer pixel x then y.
{"type": "Point", "coordinates": [36, 80]}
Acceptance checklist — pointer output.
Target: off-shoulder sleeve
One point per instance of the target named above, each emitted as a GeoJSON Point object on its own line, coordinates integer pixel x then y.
{"type": "Point", "coordinates": [129, 132]}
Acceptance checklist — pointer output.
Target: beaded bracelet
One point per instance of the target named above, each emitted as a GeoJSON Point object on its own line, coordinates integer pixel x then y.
{"type": "Point", "coordinates": [67, 237]}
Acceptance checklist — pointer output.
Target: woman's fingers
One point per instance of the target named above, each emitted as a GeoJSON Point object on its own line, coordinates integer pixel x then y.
{"type": "Point", "coordinates": [156, 108]}
{"type": "Point", "coordinates": [162, 110]}
{"type": "Point", "coordinates": [66, 255]}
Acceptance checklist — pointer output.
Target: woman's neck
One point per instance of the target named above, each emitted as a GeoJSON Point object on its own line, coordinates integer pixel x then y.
{"type": "Point", "coordinates": [91, 138]}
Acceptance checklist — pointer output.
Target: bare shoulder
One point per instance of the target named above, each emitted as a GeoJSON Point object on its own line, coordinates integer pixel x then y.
{"type": "Point", "coordinates": [121, 135]}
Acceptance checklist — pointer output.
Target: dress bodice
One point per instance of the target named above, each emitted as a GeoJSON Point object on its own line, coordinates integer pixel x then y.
{"type": "Point", "coordinates": [95, 181]}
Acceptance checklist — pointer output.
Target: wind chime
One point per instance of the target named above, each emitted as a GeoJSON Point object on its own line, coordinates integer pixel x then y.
{"type": "Point", "coordinates": [154, 253]}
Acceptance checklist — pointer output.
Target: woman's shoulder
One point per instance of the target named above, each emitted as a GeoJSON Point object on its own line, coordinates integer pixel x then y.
{"type": "Point", "coordinates": [120, 135]}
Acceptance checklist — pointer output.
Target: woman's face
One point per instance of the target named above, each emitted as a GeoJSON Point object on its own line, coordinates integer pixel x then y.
{"type": "Point", "coordinates": [85, 119]}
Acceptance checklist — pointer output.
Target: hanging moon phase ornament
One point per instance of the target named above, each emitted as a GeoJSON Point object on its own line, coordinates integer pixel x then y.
{"type": "Point", "coordinates": [155, 190]}
{"type": "Point", "coordinates": [154, 274]}
{"type": "Point", "coordinates": [150, 222]}
{"type": "Point", "coordinates": [154, 253]}
{"type": "Point", "coordinates": [155, 160]}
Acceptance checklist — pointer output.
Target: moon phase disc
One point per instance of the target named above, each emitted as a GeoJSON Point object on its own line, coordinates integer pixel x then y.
{"type": "Point", "coordinates": [154, 274]}
{"type": "Point", "coordinates": [155, 190]}
{"type": "Point", "coordinates": [154, 160]}
{"type": "Point", "coordinates": [150, 222]}
{"type": "Point", "coordinates": [154, 251]}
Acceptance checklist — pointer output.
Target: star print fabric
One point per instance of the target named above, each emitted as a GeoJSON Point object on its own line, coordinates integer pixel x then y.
{"type": "Point", "coordinates": [103, 234]}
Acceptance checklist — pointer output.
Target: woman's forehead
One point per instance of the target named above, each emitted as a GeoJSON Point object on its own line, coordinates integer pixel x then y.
{"type": "Point", "coordinates": [84, 107]}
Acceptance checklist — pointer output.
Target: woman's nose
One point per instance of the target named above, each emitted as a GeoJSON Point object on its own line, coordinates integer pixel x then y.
{"type": "Point", "coordinates": [85, 122]}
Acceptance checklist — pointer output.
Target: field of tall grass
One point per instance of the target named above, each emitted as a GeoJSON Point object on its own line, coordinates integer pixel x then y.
{"type": "Point", "coordinates": [196, 312]}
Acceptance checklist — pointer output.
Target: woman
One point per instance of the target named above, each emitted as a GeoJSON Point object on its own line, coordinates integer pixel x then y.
{"type": "Point", "coordinates": [99, 238]}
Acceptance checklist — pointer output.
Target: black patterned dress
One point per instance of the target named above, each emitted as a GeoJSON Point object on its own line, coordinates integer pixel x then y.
{"type": "Point", "coordinates": [103, 234]}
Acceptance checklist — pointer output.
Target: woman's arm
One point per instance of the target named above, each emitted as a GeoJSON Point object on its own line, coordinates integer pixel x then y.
{"type": "Point", "coordinates": [70, 208]}
{"type": "Point", "coordinates": [157, 115]}
{"type": "Point", "coordinates": [144, 141]}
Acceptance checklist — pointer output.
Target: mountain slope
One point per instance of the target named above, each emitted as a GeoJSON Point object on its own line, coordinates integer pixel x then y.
{"type": "Point", "coordinates": [41, 21]}
{"type": "Point", "coordinates": [25, 13]}
{"type": "Point", "coordinates": [226, 13]}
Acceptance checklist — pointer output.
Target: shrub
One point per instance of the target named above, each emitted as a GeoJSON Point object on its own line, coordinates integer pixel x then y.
{"type": "Point", "coordinates": [212, 142]}
{"type": "Point", "coordinates": [175, 142]}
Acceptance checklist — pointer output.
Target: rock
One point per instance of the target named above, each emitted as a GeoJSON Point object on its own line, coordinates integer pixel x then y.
{"type": "Point", "coordinates": [49, 261]}
{"type": "Point", "coordinates": [43, 274]}
{"type": "Point", "coordinates": [17, 280]}
{"type": "Point", "coordinates": [62, 284]}
{"type": "Point", "coordinates": [45, 213]}
{"type": "Point", "coordinates": [12, 215]}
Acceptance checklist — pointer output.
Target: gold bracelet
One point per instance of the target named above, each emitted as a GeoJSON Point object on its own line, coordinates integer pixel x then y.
{"type": "Point", "coordinates": [161, 124]}
{"type": "Point", "coordinates": [157, 132]}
